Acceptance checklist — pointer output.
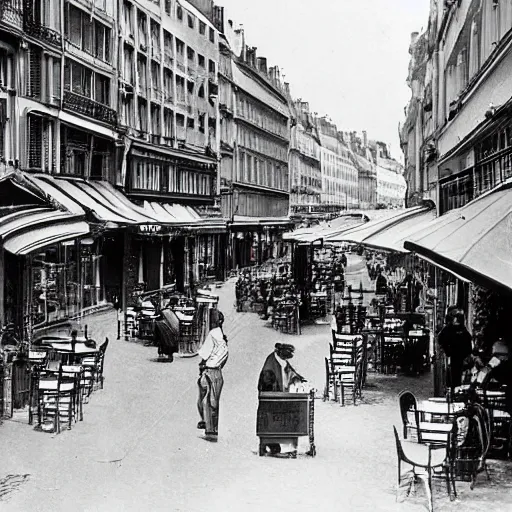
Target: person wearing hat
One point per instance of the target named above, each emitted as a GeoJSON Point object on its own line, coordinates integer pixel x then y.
{"type": "Point", "coordinates": [213, 356]}
{"type": "Point", "coordinates": [277, 373]}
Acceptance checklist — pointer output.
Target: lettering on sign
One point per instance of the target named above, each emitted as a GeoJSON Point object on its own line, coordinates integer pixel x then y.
{"type": "Point", "coordinates": [150, 228]}
{"type": "Point", "coordinates": [282, 417]}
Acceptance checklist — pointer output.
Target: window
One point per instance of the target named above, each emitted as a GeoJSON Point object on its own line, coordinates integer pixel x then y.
{"type": "Point", "coordinates": [168, 124]}
{"type": "Point", "coordinates": [128, 19]}
{"type": "Point", "coordinates": [168, 85]}
{"type": "Point", "coordinates": [143, 31]}
{"type": "Point", "coordinates": [201, 60]}
{"type": "Point", "coordinates": [155, 76]}
{"type": "Point", "coordinates": [128, 64]}
{"type": "Point", "coordinates": [190, 122]}
{"type": "Point", "coordinates": [101, 41]}
{"type": "Point", "coordinates": [202, 28]}
{"type": "Point", "coordinates": [168, 49]}
{"type": "Point", "coordinates": [211, 66]}
{"type": "Point", "coordinates": [34, 72]}
{"type": "Point", "coordinates": [190, 21]}
{"type": "Point", "coordinates": [179, 13]}
{"type": "Point", "coordinates": [155, 38]}
{"type": "Point", "coordinates": [102, 93]}
{"type": "Point", "coordinates": [143, 115]}
{"type": "Point", "coordinates": [180, 89]}
{"type": "Point", "coordinates": [200, 93]}
{"type": "Point", "coordinates": [78, 28]}
{"type": "Point", "coordinates": [180, 127]}
{"type": "Point", "coordinates": [201, 122]}
{"type": "Point", "coordinates": [155, 119]}
{"type": "Point", "coordinates": [190, 54]}
{"type": "Point", "coordinates": [212, 35]}
{"type": "Point", "coordinates": [142, 71]}
{"type": "Point", "coordinates": [77, 78]}
{"type": "Point", "coordinates": [168, 7]}
{"type": "Point", "coordinates": [146, 175]}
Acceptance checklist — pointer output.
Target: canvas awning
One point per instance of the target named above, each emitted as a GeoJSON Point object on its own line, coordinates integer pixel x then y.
{"type": "Point", "coordinates": [36, 238]}
{"type": "Point", "coordinates": [474, 241]}
{"type": "Point", "coordinates": [105, 202]}
{"type": "Point", "coordinates": [393, 237]}
{"type": "Point", "coordinates": [360, 234]}
{"type": "Point", "coordinates": [246, 221]}
{"type": "Point", "coordinates": [324, 231]}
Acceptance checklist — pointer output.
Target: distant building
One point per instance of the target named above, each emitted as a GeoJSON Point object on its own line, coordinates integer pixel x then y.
{"type": "Point", "coordinates": [339, 175]}
{"type": "Point", "coordinates": [304, 160]}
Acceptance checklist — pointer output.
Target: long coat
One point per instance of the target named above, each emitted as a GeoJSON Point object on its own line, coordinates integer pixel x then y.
{"type": "Point", "coordinates": [271, 375]}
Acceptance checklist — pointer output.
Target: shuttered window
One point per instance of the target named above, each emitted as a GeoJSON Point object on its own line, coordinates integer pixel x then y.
{"type": "Point", "coordinates": [35, 141]}
{"type": "Point", "coordinates": [33, 76]}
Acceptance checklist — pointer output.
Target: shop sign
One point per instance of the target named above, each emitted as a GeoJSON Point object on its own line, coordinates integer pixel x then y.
{"type": "Point", "coordinates": [150, 228]}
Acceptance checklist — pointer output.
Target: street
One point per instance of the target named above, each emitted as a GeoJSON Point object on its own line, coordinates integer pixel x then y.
{"type": "Point", "coordinates": [138, 447]}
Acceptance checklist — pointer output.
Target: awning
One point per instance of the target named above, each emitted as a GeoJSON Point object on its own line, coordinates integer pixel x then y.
{"type": "Point", "coordinates": [246, 221]}
{"type": "Point", "coordinates": [37, 238]}
{"type": "Point", "coordinates": [171, 214]}
{"type": "Point", "coordinates": [360, 234]}
{"type": "Point", "coordinates": [324, 231]}
{"type": "Point", "coordinates": [100, 198]}
{"type": "Point", "coordinates": [474, 241]}
{"type": "Point", "coordinates": [393, 237]}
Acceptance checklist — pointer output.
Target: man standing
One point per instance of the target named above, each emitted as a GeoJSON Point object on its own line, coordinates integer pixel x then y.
{"type": "Point", "coordinates": [214, 355]}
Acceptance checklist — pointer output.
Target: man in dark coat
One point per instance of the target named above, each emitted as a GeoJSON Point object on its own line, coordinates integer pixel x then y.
{"type": "Point", "coordinates": [455, 341]}
{"type": "Point", "coordinates": [277, 373]}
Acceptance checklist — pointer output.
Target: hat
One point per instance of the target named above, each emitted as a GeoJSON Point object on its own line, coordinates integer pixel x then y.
{"type": "Point", "coordinates": [216, 316]}
{"type": "Point", "coordinates": [285, 346]}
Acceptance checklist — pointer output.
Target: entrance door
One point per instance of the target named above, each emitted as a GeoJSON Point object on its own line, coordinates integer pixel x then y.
{"type": "Point", "coordinates": [152, 253]}
{"type": "Point", "coordinates": [177, 248]}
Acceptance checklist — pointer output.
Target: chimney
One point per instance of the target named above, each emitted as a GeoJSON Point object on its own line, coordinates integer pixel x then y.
{"type": "Point", "coordinates": [272, 74]}
{"type": "Point", "coordinates": [287, 88]}
{"type": "Point", "coordinates": [262, 64]}
{"type": "Point", "coordinates": [365, 139]}
{"type": "Point", "coordinates": [414, 37]}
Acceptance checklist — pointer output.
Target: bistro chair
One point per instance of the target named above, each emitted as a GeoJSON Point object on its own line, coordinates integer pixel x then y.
{"type": "Point", "coordinates": [330, 381]}
{"type": "Point", "coordinates": [347, 360]}
{"type": "Point", "coordinates": [100, 379]}
{"type": "Point", "coordinates": [409, 413]}
{"type": "Point", "coordinates": [37, 360]}
{"type": "Point", "coordinates": [423, 460]}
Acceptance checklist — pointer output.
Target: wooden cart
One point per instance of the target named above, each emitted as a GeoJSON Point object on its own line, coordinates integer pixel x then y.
{"type": "Point", "coordinates": [283, 418]}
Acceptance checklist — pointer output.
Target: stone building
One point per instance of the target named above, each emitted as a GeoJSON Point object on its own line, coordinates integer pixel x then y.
{"type": "Point", "coordinates": [304, 161]}
{"type": "Point", "coordinates": [254, 148]}
{"type": "Point", "coordinates": [339, 174]}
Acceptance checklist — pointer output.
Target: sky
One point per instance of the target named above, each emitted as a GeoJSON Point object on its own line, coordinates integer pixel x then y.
{"type": "Point", "coordinates": [348, 58]}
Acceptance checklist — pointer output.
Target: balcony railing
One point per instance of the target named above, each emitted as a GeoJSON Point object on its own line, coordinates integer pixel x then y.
{"type": "Point", "coordinates": [11, 13]}
{"type": "Point", "coordinates": [90, 108]}
{"type": "Point", "coordinates": [168, 59]}
{"type": "Point", "coordinates": [156, 95]}
{"type": "Point", "coordinates": [35, 28]}
{"type": "Point", "coordinates": [180, 65]}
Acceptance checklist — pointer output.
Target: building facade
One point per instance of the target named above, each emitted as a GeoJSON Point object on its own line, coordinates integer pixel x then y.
{"type": "Point", "coordinates": [254, 149]}
{"type": "Point", "coordinates": [339, 175]}
{"type": "Point", "coordinates": [304, 160]}
{"type": "Point", "coordinates": [168, 98]}
{"type": "Point", "coordinates": [461, 105]}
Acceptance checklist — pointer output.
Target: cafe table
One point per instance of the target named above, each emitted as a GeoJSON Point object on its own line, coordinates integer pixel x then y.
{"type": "Point", "coordinates": [70, 356]}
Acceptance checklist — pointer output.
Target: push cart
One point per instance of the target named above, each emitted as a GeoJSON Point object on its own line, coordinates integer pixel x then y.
{"type": "Point", "coordinates": [283, 418]}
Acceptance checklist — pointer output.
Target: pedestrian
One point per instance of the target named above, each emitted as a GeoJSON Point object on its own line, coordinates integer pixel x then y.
{"type": "Point", "coordinates": [455, 341]}
{"type": "Point", "coordinates": [213, 355]}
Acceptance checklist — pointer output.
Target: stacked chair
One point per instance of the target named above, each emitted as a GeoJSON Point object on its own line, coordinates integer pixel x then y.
{"type": "Point", "coordinates": [345, 368]}
{"type": "Point", "coordinates": [58, 389]}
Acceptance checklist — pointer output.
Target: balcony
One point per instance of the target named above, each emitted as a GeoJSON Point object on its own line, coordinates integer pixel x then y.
{"type": "Point", "coordinates": [90, 108]}
{"type": "Point", "coordinates": [168, 59]}
{"type": "Point", "coordinates": [180, 65]}
{"type": "Point", "coordinates": [36, 29]}
{"type": "Point", "coordinates": [11, 13]}
{"type": "Point", "coordinates": [156, 95]}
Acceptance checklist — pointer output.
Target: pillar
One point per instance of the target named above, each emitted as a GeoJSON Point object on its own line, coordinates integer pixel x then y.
{"type": "Point", "coordinates": [2, 287]}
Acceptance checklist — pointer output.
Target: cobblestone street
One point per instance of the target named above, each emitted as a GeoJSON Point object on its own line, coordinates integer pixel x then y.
{"type": "Point", "coordinates": [138, 447]}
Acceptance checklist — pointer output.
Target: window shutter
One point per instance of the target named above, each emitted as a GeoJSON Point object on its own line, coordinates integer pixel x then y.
{"type": "Point", "coordinates": [34, 73]}
{"type": "Point", "coordinates": [34, 142]}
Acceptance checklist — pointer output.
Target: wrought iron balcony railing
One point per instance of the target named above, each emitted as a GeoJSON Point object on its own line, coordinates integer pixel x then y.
{"type": "Point", "coordinates": [11, 13]}
{"type": "Point", "coordinates": [88, 107]}
{"type": "Point", "coordinates": [33, 27]}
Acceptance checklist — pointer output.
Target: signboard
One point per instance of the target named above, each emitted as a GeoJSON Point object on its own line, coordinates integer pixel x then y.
{"type": "Point", "coordinates": [283, 414]}
{"type": "Point", "coordinates": [150, 228]}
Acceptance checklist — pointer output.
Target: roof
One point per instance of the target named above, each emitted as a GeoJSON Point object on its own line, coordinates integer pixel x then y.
{"type": "Point", "coordinates": [253, 88]}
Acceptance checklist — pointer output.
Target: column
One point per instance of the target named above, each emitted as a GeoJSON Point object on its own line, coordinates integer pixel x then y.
{"type": "Point", "coordinates": [2, 287]}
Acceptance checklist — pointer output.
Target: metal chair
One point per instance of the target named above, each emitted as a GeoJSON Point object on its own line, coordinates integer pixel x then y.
{"type": "Point", "coordinates": [409, 413]}
{"type": "Point", "coordinates": [424, 461]}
